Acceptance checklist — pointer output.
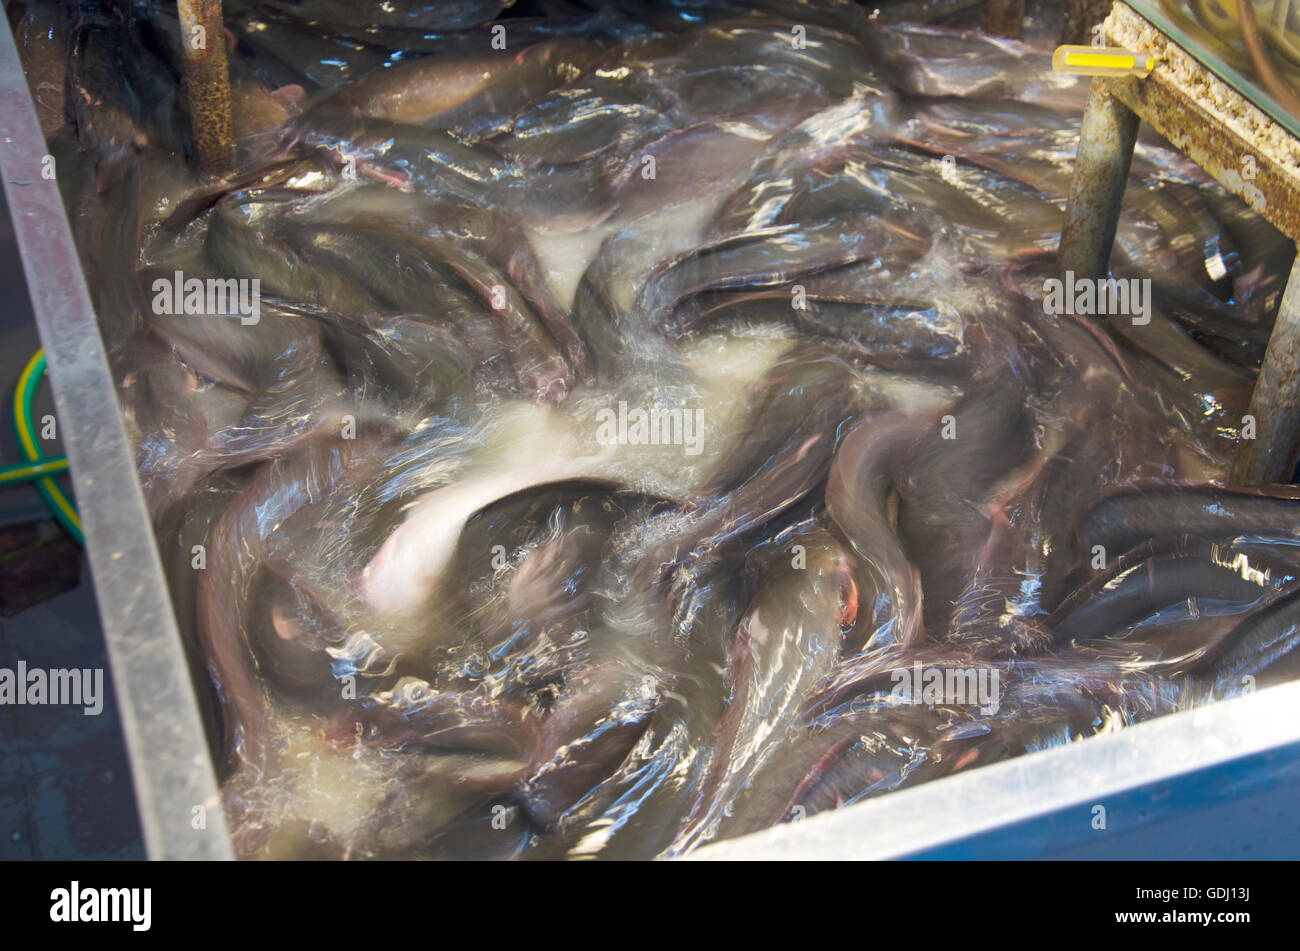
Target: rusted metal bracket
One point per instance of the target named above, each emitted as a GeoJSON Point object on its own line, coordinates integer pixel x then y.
{"type": "Point", "coordinates": [1249, 153]}
{"type": "Point", "coordinates": [1218, 128]}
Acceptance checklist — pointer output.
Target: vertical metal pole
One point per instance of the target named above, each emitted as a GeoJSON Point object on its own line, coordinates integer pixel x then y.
{"type": "Point", "coordinates": [1100, 173]}
{"type": "Point", "coordinates": [1271, 456]}
{"type": "Point", "coordinates": [203, 35]}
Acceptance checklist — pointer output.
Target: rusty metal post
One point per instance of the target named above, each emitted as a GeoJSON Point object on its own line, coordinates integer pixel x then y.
{"type": "Point", "coordinates": [203, 36]}
{"type": "Point", "coordinates": [1271, 456]}
{"type": "Point", "coordinates": [1004, 17]}
{"type": "Point", "coordinates": [1100, 173]}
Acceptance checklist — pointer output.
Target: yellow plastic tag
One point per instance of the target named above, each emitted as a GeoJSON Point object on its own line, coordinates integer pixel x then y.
{"type": "Point", "coordinates": [1102, 61]}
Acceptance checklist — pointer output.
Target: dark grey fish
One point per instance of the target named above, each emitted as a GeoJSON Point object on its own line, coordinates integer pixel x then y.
{"type": "Point", "coordinates": [1257, 642]}
{"type": "Point", "coordinates": [826, 765]}
{"type": "Point", "coordinates": [789, 639]}
{"type": "Point", "coordinates": [584, 120]}
{"type": "Point", "coordinates": [281, 50]}
{"type": "Point", "coordinates": [422, 14]}
{"type": "Point", "coordinates": [525, 567]}
{"type": "Point", "coordinates": [469, 92]}
{"type": "Point", "coordinates": [241, 241]}
{"type": "Point", "coordinates": [1126, 518]}
{"type": "Point", "coordinates": [1193, 575]}
{"type": "Point", "coordinates": [800, 409]}
{"type": "Point", "coordinates": [413, 366]}
{"type": "Point", "coordinates": [597, 718]}
{"type": "Point", "coordinates": [857, 500]}
{"type": "Point", "coordinates": [240, 544]}
{"type": "Point", "coordinates": [434, 277]}
{"type": "Point", "coordinates": [933, 61]}
{"type": "Point", "coordinates": [559, 198]}
{"type": "Point", "coordinates": [944, 516]}
{"type": "Point", "coordinates": [773, 256]}
{"type": "Point", "coordinates": [638, 809]}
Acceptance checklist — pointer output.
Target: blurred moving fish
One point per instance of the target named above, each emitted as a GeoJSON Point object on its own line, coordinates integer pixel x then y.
{"type": "Point", "coordinates": [442, 612]}
{"type": "Point", "coordinates": [788, 640]}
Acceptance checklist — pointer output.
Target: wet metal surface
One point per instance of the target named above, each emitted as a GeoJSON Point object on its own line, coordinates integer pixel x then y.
{"type": "Point", "coordinates": [1184, 772]}
{"type": "Point", "coordinates": [1275, 403]}
{"type": "Point", "coordinates": [1101, 169]}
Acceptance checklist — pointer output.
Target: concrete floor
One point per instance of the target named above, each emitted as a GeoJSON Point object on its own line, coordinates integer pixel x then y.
{"type": "Point", "coordinates": [65, 785]}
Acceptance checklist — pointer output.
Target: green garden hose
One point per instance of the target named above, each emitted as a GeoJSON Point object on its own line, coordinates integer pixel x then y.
{"type": "Point", "coordinates": [64, 511]}
{"type": "Point", "coordinates": [31, 471]}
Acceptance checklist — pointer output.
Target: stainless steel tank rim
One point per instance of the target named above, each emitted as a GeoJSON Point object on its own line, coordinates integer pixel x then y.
{"type": "Point", "coordinates": [1078, 775]}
